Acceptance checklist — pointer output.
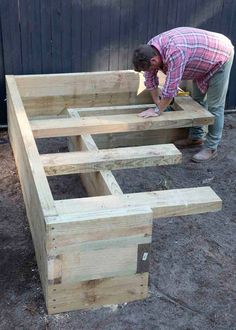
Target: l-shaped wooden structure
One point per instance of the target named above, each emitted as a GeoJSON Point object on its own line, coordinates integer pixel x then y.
{"type": "Point", "coordinates": [94, 251]}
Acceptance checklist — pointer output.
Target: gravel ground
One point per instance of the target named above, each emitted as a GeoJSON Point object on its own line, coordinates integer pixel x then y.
{"type": "Point", "coordinates": [193, 262]}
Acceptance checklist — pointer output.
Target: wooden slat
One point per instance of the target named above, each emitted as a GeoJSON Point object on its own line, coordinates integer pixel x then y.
{"type": "Point", "coordinates": [116, 123]}
{"type": "Point", "coordinates": [30, 26]}
{"type": "Point", "coordinates": [98, 183]}
{"type": "Point", "coordinates": [110, 159]}
{"type": "Point", "coordinates": [11, 36]}
{"type": "Point", "coordinates": [66, 36]}
{"type": "Point", "coordinates": [46, 36]}
{"type": "Point", "coordinates": [98, 292]}
{"type": "Point", "coordinates": [165, 203]}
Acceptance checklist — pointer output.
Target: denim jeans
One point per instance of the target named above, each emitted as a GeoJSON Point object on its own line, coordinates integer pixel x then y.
{"type": "Point", "coordinates": [214, 101]}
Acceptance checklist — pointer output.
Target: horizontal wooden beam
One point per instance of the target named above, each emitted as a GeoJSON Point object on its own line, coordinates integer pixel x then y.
{"type": "Point", "coordinates": [80, 84]}
{"type": "Point", "coordinates": [164, 203]}
{"type": "Point", "coordinates": [112, 110]}
{"type": "Point", "coordinates": [103, 227]}
{"type": "Point", "coordinates": [98, 292]}
{"type": "Point", "coordinates": [118, 123]}
{"type": "Point", "coordinates": [110, 159]}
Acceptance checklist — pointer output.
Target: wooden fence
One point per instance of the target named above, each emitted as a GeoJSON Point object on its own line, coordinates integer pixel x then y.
{"type": "Point", "coordinates": [54, 36]}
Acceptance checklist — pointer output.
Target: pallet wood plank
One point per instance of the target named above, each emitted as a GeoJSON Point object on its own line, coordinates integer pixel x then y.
{"type": "Point", "coordinates": [110, 159]}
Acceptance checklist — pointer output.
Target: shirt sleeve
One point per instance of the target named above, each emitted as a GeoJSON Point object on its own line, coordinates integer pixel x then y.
{"type": "Point", "coordinates": [151, 79]}
{"type": "Point", "coordinates": [176, 65]}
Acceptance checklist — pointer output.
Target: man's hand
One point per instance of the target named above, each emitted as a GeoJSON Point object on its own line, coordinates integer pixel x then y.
{"type": "Point", "coordinates": [150, 113]}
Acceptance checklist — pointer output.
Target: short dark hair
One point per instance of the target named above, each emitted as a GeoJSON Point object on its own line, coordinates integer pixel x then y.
{"type": "Point", "coordinates": [142, 57]}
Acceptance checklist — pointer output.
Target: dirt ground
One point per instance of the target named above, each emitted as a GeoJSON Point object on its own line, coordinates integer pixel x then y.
{"type": "Point", "coordinates": [193, 262]}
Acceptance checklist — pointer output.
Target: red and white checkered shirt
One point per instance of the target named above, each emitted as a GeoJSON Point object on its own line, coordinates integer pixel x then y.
{"type": "Point", "coordinates": [188, 53]}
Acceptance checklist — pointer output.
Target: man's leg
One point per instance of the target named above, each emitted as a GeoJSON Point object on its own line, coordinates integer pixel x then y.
{"type": "Point", "coordinates": [216, 95]}
{"type": "Point", "coordinates": [196, 134]}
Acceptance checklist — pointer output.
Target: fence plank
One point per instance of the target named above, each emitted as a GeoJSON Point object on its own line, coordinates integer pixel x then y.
{"type": "Point", "coordinates": [76, 36]}
{"type": "Point", "coordinates": [45, 17]}
{"type": "Point", "coordinates": [10, 30]}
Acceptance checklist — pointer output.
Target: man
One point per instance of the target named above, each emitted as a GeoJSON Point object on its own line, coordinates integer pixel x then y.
{"type": "Point", "coordinates": [189, 53]}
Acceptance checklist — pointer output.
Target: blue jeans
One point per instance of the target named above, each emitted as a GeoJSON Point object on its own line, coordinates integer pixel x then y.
{"type": "Point", "coordinates": [214, 101]}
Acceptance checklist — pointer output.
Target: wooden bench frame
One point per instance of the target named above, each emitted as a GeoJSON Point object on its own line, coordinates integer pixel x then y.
{"type": "Point", "coordinates": [94, 251]}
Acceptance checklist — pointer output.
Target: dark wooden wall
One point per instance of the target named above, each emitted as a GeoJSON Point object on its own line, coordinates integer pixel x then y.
{"type": "Point", "coordinates": [53, 36]}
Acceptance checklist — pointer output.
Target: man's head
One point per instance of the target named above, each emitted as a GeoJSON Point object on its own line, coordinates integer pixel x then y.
{"type": "Point", "coordinates": [146, 58]}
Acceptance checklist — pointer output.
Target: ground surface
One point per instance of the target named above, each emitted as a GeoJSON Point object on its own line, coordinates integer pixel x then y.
{"type": "Point", "coordinates": [193, 264]}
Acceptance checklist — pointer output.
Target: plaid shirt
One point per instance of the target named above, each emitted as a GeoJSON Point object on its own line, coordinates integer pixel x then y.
{"type": "Point", "coordinates": [188, 53]}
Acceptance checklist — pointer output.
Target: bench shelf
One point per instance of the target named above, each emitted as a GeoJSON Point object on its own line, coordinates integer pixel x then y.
{"type": "Point", "coordinates": [94, 251]}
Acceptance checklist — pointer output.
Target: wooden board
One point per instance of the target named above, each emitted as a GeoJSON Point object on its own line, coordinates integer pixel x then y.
{"type": "Point", "coordinates": [37, 195]}
{"type": "Point", "coordinates": [110, 159]}
{"type": "Point", "coordinates": [139, 138]}
{"type": "Point", "coordinates": [102, 225]}
{"type": "Point", "coordinates": [117, 123]}
{"type": "Point", "coordinates": [94, 293]}
{"type": "Point", "coordinates": [164, 203]}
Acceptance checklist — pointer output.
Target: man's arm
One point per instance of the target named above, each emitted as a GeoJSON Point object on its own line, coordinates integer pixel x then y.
{"type": "Point", "coordinates": [155, 96]}
{"type": "Point", "coordinates": [164, 103]}
{"type": "Point", "coordinates": [176, 65]}
{"type": "Point", "coordinates": [161, 106]}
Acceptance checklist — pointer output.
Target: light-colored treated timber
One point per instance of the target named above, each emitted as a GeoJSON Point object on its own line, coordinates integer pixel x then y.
{"type": "Point", "coordinates": [102, 225]}
{"type": "Point", "coordinates": [107, 261]}
{"type": "Point", "coordinates": [97, 246]}
{"type": "Point", "coordinates": [111, 159]}
{"type": "Point", "coordinates": [102, 259]}
{"type": "Point", "coordinates": [60, 91]}
{"type": "Point", "coordinates": [99, 292]}
{"type": "Point", "coordinates": [98, 183]}
{"type": "Point", "coordinates": [29, 147]}
{"type": "Point", "coordinates": [164, 203]}
{"type": "Point", "coordinates": [77, 84]}
{"type": "Point", "coordinates": [117, 123]}
{"type": "Point", "coordinates": [115, 140]}
{"type": "Point", "coordinates": [95, 251]}
{"type": "Point", "coordinates": [126, 139]}
{"type": "Point", "coordinates": [112, 110]}
{"type": "Point", "coordinates": [38, 106]}
{"type": "Point", "coordinates": [35, 188]}
{"type": "Point", "coordinates": [182, 103]}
